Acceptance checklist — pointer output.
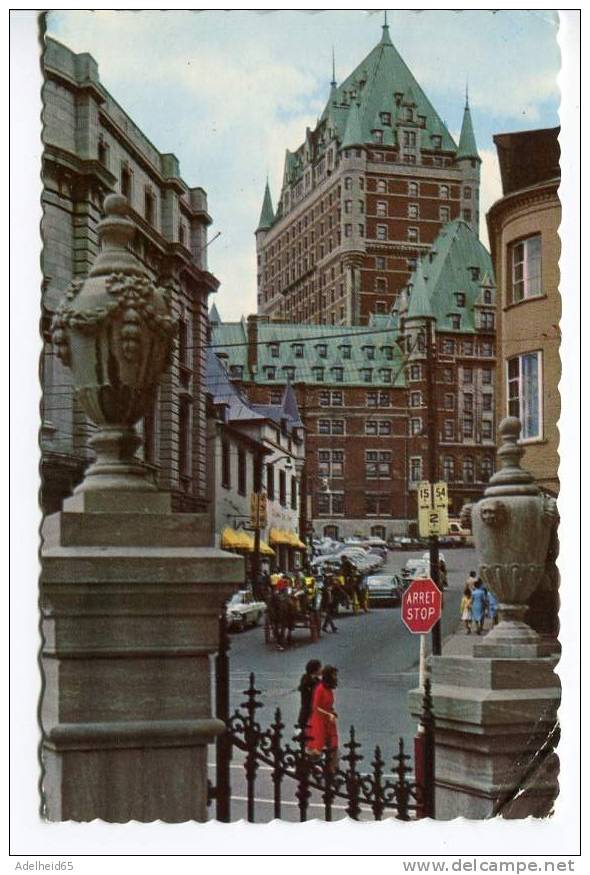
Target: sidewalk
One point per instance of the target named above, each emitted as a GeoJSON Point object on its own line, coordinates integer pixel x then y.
{"type": "Point", "coordinates": [461, 644]}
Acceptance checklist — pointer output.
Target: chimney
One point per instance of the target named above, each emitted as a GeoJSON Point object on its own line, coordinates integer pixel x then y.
{"type": "Point", "coordinates": [253, 346]}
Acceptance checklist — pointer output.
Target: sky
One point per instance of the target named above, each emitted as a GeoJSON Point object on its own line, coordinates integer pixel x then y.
{"type": "Point", "coordinates": [228, 92]}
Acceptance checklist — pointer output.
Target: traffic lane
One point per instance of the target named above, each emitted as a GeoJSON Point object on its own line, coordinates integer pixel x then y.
{"type": "Point", "coordinates": [459, 561]}
{"type": "Point", "coordinates": [377, 659]}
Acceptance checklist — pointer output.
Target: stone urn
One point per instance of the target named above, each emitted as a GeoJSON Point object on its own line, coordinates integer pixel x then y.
{"type": "Point", "coordinates": [513, 526]}
{"type": "Point", "coordinates": [115, 331]}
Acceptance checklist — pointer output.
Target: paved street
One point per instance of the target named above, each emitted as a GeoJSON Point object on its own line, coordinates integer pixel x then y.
{"type": "Point", "coordinates": [377, 658]}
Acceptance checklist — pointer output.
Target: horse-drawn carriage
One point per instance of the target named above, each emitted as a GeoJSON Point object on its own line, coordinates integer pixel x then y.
{"type": "Point", "coordinates": [290, 609]}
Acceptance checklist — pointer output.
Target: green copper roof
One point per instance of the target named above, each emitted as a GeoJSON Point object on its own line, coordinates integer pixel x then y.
{"type": "Point", "coordinates": [457, 264]}
{"type": "Point", "coordinates": [419, 304]}
{"type": "Point", "coordinates": [354, 356]}
{"type": "Point", "coordinates": [467, 145]}
{"type": "Point", "coordinates": [267, 215]}
{"type": "Point", "coordinates": [385, 73]}
{"type": "Point", "coordinates": [353, 134]}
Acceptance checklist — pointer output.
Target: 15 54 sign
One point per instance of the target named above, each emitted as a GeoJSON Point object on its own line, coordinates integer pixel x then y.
{"type": "Point", "coordinates": [433, 508]}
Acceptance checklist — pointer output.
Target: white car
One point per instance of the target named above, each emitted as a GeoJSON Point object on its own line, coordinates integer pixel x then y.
{"type": "Point", "coordinates": [242, 611]}
{"type": "Point", "coordinates": [441, 557]}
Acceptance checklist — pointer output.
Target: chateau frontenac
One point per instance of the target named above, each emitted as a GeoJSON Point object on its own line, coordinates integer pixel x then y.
{"type": "Point", "coordinates": [363, 198]}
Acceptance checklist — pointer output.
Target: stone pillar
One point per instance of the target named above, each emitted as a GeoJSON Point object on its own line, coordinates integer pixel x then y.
{"type": "Point", "coordinates": [130, 592]}
{"type": "Point", "coordinates": [496, 711]}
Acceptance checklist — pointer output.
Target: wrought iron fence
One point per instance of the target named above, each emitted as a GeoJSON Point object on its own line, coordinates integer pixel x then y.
{"type": "Point", "coordinates": [401, 791]}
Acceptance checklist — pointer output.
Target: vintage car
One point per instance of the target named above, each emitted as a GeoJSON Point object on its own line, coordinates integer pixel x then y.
{"type": "Point", "coordinates": [385, 588]}
{"type": "Point", "coordinates": [242, 611]}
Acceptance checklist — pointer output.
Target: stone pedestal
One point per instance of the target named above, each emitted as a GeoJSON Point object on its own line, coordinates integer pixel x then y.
{"type": "Point", "coordinates": [495, 729]}
{"type": "Point", "coordinates": [130, 596]}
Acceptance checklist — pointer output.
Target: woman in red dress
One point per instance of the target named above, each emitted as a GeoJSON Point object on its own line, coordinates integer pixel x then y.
{"type": "Point", "coordinates": [322, 732]}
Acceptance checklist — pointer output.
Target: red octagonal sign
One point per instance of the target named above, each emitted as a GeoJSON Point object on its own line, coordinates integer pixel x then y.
{"type": "Point", "coordinates": [421, 605]}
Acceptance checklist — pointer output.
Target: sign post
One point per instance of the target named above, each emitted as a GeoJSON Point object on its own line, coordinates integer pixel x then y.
{"type": "Point", "coordinates": [433, 520]}
{"type": "Point", "coordinates": [421, 611]}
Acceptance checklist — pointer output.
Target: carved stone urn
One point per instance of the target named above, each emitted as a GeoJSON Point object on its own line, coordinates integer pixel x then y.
{"type": "Point", "coordinates": [512, 527]}
{"type": "Point", "coordinates": [115, 331]}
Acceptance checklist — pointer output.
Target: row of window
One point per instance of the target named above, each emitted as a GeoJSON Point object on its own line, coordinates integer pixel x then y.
{"type": "Point", "coordinates": [336, 374]}
{"type": "Point", "coordinates": [484, 348]}
{"type": "Point", "coordinates": [373, 427]}
{"type": "Point", "coordinates": [468, 472]}
{"type": "Point", "coordinates": [242, 476]}
{"type": "Point", "coordinates": [379, 466]}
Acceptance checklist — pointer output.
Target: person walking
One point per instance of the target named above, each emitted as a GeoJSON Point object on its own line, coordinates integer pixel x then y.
{"type": "Point", "coordinates": [328, 605]}
{"type": "Point", "coordinates": [322, 730]}
{"type": "Point", "coordinates": [492, 608]}
{"type": "Point", "coordinates": [307, 685]}
{"type": "Point", "coordinates": [465, 609]}
{"type": "Point", "coordinates": [478, 605]}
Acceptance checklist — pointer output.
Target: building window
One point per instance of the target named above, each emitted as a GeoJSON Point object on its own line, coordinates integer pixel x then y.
{"type": "Point", "coordinates": [282, 489]}
{"type": "Point", "coordinates": [443, 192]}
{"type": "Point", "coordinates": [348, 206]}
{"type": "Point", "coordinates": [486, 376]}
{"type": "Point", "coordinates": [380, 263]}
{"type": "Point", "coordinates": [449, 401]}
{"type": "Point", "coordinates": [381, 208]}
{"type": "Point", "coordinates": [487, 468]}
{"type": "Point", "coordinates": [378, 505]}
{"type": "Point", "coordinates": [385, 118]}
{"type": "Point", "coordinates": [524, 393]}
{"type": "Point", "coordinates": [236, 371]}
{"type": "Point", "coordinates": [385, 375]}
{"type": "Point", "coordinates": [148, 210]}
{"type": "Point", "coordinates": [289, 372]}
{"type": "Point", "coordinates": [337, 373]}
{"type": "Point", "coordinates": [415, 372]}
{"type": "Point", "coordinates": [369, 352]}
{"type": "Point", "coordinates": [448, 346]}
{"type": "Point", "coordinates": [413, 190]}
{"type": "Point", "coordinates": [331, 463]}
{"type": "Point", "coordinates": [468, 375]}
{"type": "Point", "coordinates": [103, 152]}
{"type": "Point", "coordinates": [126, 182]}
{"type": "Point", "coordinates": [348, 183]}
{"type": "Point", "coordinates": [486, 349]}
{"type": "Point", "coordinates": [330, 503]}
{"type": "Point", "coordinates": [274, 350]}
{"type": "Point", "coordinates": [345, 351]}
{"type": "Point", "coordinates": [413, 211]}
{"type": "Point", "coordinates": [416, 425]}
{"type": "Point", "coordinates": [487, 320]}
{"type": "Point", "coordinates": [467, 193]}
{"type": "Point", "coordinates": [415, 469]}
{"type": "Point", "coordinates": [447, 374]}
{"type": "Point", "coordinates": [184, 429]}
{"type": "Point", "coordinates": [378, 399]}
{"type": "Point", "coordinates": [486, 401]}
{"type": "Point", "coordinates": [225, 465]}
{"type": "Point", "coordinates": [468, 401]}
{"type": "Point", "coordinates": [380, 307]}
{"type": "Point", "coordinates": [387, 352]}
{"type": "Point", "coordinates": [455, 322]}
{"type": "Point", "coordinates": [486, 429]}
{"type": "Point", "coordinates": [347, 231]}
{"type": "Point", "coordinates": [467, 215]}
{"type": "Point", "coordinates": [271, 373]}
{"type": "Point", "coordinates": [413, 235]}
{"type": "Point", "coordinates": [449, 430]}
{"type": "Point", "coordinates": [241, 471]}
{"type": "Point", "coordinates": [444, 214]}
{"type": "Point", "coordinates": [366, 375]}
{"type": "Point", "coordinates": [460, 298]}
{"type": "Point", "coordinates": [298, 350]}
{"type": "Point", "coordinates": [377, 136]}
{"type": "Point", "coordinates": [381, 186]}
{"type": "Point", "coordinates": [270, 481]}
{"type": "Point", "coordinates": [415, 399]}
{"type": "Point", "coordinates": [378, 464]}
{"type": "Point", "coordinates": [468, 470]}
{"type": "Point", "coordinates": [409, 138]}
{"type": "Point", "coordinates": [331, 426]}
{"type": "Point", "coordinates": [468, 426]}
{"type": "Point", "coordinates": [381, 232]}
{"type": "Point", "coordinates": [526, 268]}
{"type": "Point", "coordinates": [318, 374]}
{"type": "Point", "coordinates": [448, 469]}
{"type": "Point", "coordinates": [487, 296]}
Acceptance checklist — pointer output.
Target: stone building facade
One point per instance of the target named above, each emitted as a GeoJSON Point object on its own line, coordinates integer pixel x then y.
{"type": "Point", "coordinates": [363, 198]}
{"type": "Point", "coordinates": [92, 147]}
{"type": "Point", "coordinates": [363, 392]}
{"type": "Point", "coordinates": [244, 437]}
{"type": "Point", "coordinates": [523, 227]}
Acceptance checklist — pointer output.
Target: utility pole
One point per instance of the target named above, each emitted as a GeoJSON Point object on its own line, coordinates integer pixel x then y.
{"type": "Point", "coordinates": [256, 517]}
{"type": "Point", "coordinates": [431, 358]}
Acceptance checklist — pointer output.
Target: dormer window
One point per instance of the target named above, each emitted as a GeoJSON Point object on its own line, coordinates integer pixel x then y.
{"type": "Point", "coordinates": [338, 374]}
{"type": "Point", "coordinates": [388, 352]}
{"type": "Point", "coordinates": [289, 372]}
{"type": "Point", "coordinates": [274, 350]}
{"type": "Point", "coordinates": [236, 371]}
{"type": "Point", "coordinates": [409, 139]}
{"type": "Point", "coordinates": [436, 142]}
{"type": "Point", "coordinates": [474, 273]}
{"type": "Point", "coordinates": [386, 375]}
{"type": "Point", "coordinates": [345, 351]}
{"type": "Point", "coordinates": [370, 352]}
{"type": "Point", "coordinates": [318, 374]}
{"type": "Point", "coordinates": [455, 322]}
{"type": "Point", "coordinates": [377, 136]}
{"type": "Point", "coordinates": [409, 114]}
{"type": "Point", "coordinates": [322, 350]}
{"type": "Point", "coordinates": [487, 296]}
{"type": "Point", "coordinates": [460, 296]}
{"type": "Point", "coordinates": [298, 350]}
{"type": "Point", "coordinates": [271, 373]}
{"type": "Point", "coordinates": [385, 118]}
{"type": "Point", "coordinates": [367, 375]}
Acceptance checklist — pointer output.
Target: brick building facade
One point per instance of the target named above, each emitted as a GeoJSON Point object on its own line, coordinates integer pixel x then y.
{"type": "Point", "coordinates": [363, 391]}
{"type": "Point", "coordinates": [524, 239]}
{"type": "Point", "coordinates": [91, 148]}
{"type": "Point", "coordinates": [363, 198]}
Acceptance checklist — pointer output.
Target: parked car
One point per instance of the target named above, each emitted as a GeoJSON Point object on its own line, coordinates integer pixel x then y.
{"type": "Point", "coordinates": [441, 557]}
{"type": "Point", "coordinates": [385, 588]}
{"type": "Point", "coordinates": [416, 568]}
{"type": "Point", "coordinates": [242, 610]}
{"type": "Point", "coordinates": [404, 542]}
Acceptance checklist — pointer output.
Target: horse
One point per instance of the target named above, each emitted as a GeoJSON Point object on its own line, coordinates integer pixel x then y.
{"type": "Point", "coordinates": [282, 608]}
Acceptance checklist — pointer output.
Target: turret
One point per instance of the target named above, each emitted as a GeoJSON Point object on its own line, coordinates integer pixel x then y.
{"type": "Point", "coordinates": [468, 160]}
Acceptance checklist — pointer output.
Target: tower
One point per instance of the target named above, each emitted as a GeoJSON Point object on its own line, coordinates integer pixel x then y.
{"type": "Point", "coordinates": [469, 162]}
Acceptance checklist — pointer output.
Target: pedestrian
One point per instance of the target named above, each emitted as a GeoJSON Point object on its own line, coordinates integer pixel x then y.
{"type": "Point", "coordinates": [471, 580]}
{"type": "Point", "coordinates": [492, 608]}
{"type": "Point", "coordinates": [465, 609]}
{"type": "Point", "coordinates": [322, 730]}
{"type": "Point", "coordinates": [328, 605]}
{"type": "Point", "coordinates": [478, 605]}
{"type": "Point", "coordinates": [442, 574]}
{"type": "Point", "coordinates": [307, 685]}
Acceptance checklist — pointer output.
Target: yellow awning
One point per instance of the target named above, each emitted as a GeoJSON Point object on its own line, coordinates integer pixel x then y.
{"type": "Point", "coordinates": [265, 550]}
{"type": "Point", "coordinates": [232, 539]}
{"type": "Point", "coordinates": [300, 545]}
{"type": "Point", "coordinates": [278, 536]}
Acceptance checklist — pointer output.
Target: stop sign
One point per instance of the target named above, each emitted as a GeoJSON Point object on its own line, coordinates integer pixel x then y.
{"type": "Point", "coordinates": [421, 605]}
